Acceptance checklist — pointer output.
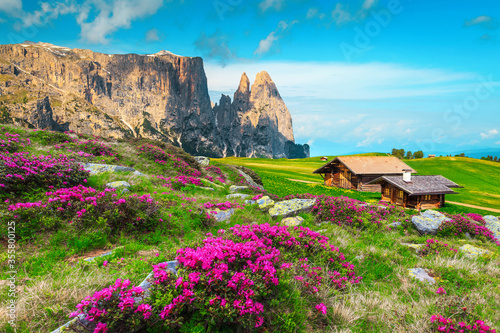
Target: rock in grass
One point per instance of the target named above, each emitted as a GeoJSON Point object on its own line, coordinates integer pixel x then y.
{"type": "Point", "coordinates": [292, 221]}
{"type": "Point", "coordinates": [94, 168]}
{"type": "Point", "coordinates": [472, 251]}
{"type": "Point", "coordinates": [250, 181]}
{"type": "Point", "coordinates": [234, 188]}
{"type": "Point", "coordinates": [429, 221]}
{"type": "Point", "coordinates": [202, 160]}
{"type": "Point", "coordinates": [415, 247]}
{"type": "Point", "coordinates": [394, 224]}
{"type": "Point", "coordinates": [206, 181]}
{"type": "Point", "coordinates": [206, 188]}
{"type": "Point", "coordinates": [222, 215]}
{"type": "Point", "coordinates": [237, 195]}
{"type": "Point", "coordinates": [493, 223]}
{"type": "Point", "coordinates": [265, 202]}
{"type": "Point", "coordinates": [118, 184]}
{"type": "Point", "coordinates": [140, 174]}
{"type": "Point", "coordinates": [292, 207]}
{"type": "Point", "coordinates": [421, 275]}
{"type": "Point", "coordinates": [250, 202]}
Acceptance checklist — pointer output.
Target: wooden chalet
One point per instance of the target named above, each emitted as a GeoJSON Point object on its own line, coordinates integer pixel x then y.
{"type": "Point", "coordinates": [355, 172]}
{"type": "Point", "coordinates": [418, 192]}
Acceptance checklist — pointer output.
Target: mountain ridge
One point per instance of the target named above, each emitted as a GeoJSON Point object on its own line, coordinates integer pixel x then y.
{"type": "Point", "coordinates": [160, 96]}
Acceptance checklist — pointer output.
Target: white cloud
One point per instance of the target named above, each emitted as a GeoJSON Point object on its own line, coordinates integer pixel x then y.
{"type": "Point", "coordinates": [98, 19]}
{"type": "Point", "coordinates": [489, 134]}
{"type": "Point", "coordinates": [266, 4]}
{"type": "Point", "coordinates": [11, 7]}
{"type": "Point", "coordinates": [332, 80]}
{"type": "Point", "coordinates": [266, 43]}
{"type": "Point", "coordinates": [113, 16]}
{"type": "Point", "coordinates": [153, 35]}
{"type": "Point", "coordinates": [341, 16]}
{"type": "Point", "coordinates": [48, 12]}
{"type": "Point", "coordinates": [484, 21]}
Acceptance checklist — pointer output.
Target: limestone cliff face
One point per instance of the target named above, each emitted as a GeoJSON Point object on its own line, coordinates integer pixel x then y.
{"type": "Point", "coordinates": [161, 96]}
{"type": "Point", "coordinates": [257, 123]}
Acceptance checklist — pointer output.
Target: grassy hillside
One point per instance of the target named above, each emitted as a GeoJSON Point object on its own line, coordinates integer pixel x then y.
{"type": "Point", "coordinates": [481, 179]}
{"type": "Point", "coordinates": [344, 269]}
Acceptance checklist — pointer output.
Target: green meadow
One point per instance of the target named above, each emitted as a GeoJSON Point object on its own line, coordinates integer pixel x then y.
{"type": "Point", "coordinates": [54, 238]}
{"type": "Point", "coordinates": [480, 179]}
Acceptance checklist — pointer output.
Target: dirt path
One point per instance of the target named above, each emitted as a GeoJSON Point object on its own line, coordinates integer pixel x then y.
{"type": "Point", "coordinates": [473, 206]}
{"type": "Point", "coordinates": [303, 181]}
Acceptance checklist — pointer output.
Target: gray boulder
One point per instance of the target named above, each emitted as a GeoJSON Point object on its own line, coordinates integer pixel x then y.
{"type": "Point", "coordinates": [250, 181]}
{"type": "Point", "coordinates": [237, 195]}
{"type": "Point", "coordinates": [140, 174]}
{"type": "Point", "coordinates": [493, 223]}
{"type": "Point", "coordinates": [222, 215]}
{"type": "Point", "coordinates": [202, 160]}
{"type": "Point", "coordinates": [472, 251]}
{"type": "Point", "coordinates": [292, 221]}
{"type": "Point", "coordinates": [429, 221]}
{"type": "Point", "coordinates": [234, 188]}
{"type": "Point", "coordinates": [206, 188]}
{"type": "Point", "coordinates": [291, 207]}
{"type": "Point", "coordinates": [265, 203]}
{"type": "Point", "coordinates": [421, 275]}
{"type": "Point", "coordinates": [94, 168]}
{"type": "Point", "coordinates": [118, 184]}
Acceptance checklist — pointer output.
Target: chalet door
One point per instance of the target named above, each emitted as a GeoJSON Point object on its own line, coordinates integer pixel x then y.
{"type": "Point", "coordinates": [344, 179]}
{"type": "Point", "coordinates": [393, 195]}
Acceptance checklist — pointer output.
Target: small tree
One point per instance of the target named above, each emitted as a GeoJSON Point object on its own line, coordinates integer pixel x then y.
{"type": "Point", "coordinates": [418, 154]}
{"type": "Point", "coordinates": [409, 155]}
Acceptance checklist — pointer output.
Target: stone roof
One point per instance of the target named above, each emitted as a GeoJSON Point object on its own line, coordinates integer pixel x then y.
{"type": "Point", "coordinates": [420, 185]}
{"type": "Point", "coordinates": [369, 165]}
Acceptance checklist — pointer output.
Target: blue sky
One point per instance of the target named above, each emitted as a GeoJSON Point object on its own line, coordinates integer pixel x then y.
{"type": "Point", "coordinates": [356, 75]}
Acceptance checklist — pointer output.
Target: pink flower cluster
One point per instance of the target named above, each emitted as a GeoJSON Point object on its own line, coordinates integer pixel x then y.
{"type": "Point", "coordinates": [449, 325]}
{"type": "Point", "coordinates": [441, 290]}
{"type": "Point", "coordinates": [351, 212]}
{"type": "Point", "coordinates": [460, 224]}
{"type": "Point", "coordinates": [230, 277]}
{"type": "Point", "coordinates": [257, 197]}
{"type": "Point", "coordinates": [180, 181]}
{"type": "Point", "coordinates": [120, 294]}
{"type": "Point", "coordinates": [22, 169]}
{"type": "Point", "coordinates": [436, 246]}
{"type": "Point", "coordinates": [221, 205]}
{"type": "Point", "coordinates": [12, 142]}
{"type": "Point", "coordinates": [162, 157]}
{"type": "Point", "coordinates": [476, 217]}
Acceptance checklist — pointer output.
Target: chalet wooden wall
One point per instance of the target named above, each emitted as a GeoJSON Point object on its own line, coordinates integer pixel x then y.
{"type": "Point", "coordinates": [392, 194]}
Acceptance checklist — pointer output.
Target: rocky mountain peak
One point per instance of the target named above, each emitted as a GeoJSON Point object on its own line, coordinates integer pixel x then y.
{"type": "Point", "coordinates": [263, 78]}
{"type": "Point", "coordinates": [264, 87]}
{"type": "Point", "coordinates": [244, 87]}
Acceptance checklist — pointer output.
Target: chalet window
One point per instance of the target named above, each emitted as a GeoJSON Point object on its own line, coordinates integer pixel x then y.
{"type": "Point", "coordinates": [387, 192]}
{"type": "Point", "coordinates": [400, 194]}
{"type": "Point", "coordinates": [427, 197]}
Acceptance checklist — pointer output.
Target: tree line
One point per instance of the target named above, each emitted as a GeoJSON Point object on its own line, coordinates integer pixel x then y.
{"type": "Point", "coordinates": [400, 153]}
{"type": "Point", "coordinates": [491, 158]}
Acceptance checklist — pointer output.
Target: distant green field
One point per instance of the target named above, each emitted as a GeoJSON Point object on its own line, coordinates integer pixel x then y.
{"type": "Point", "coordinates": [481, 179]}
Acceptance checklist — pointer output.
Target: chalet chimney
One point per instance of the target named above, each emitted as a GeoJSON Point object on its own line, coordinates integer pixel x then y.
{"type": "Point", "coordinates": [407, 175]}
